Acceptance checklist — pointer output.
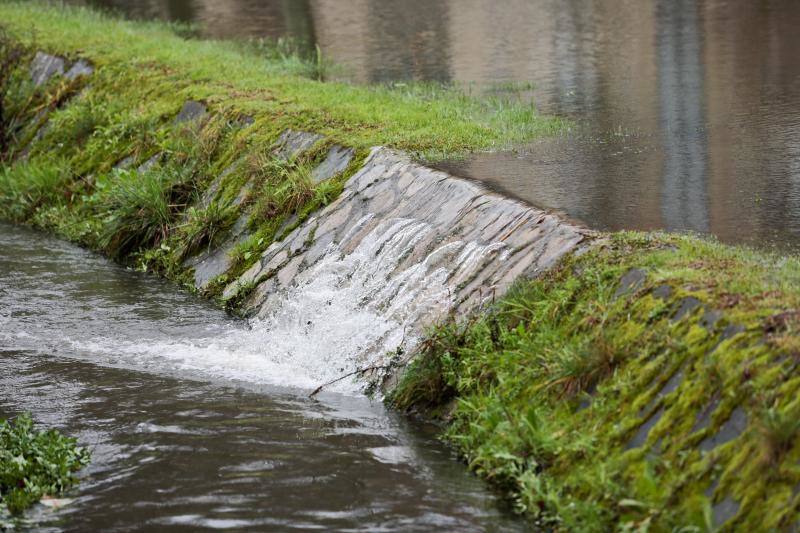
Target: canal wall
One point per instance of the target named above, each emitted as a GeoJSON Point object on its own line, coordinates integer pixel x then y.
{"type": "Point", "coordinates": [633, 380]}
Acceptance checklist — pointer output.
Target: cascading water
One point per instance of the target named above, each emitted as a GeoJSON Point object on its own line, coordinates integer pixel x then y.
{"type": "Point", "coordinates": [346, 312]}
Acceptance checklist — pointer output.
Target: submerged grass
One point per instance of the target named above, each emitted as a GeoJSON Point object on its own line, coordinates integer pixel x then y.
{"type": "Point", "coordinates": [597, 407]}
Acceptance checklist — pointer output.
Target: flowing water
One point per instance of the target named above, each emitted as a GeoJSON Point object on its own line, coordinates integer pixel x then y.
{"type": "Point", "coordinates": [190, 429]}
{"type": "Point", "coordinates": [687, 112]}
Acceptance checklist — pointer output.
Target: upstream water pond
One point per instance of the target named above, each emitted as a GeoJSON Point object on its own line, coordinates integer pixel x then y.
{"type": "Point", "coordinates": [686, 112]}
{"type": "Point", "coordinates": [87, 347]}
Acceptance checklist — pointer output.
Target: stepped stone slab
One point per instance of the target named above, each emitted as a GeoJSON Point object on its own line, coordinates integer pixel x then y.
{"type": "Point", "coordinates": [480, 241]}
{"type": "Point", "coordinates": [335, 162]}
{"type": "Point", "coordinates": [80, 68]}
{"type": "Point", "coordinates": [190, 112]}
{"type": "Point", "coordinates": [215, 262]}
{"type": "Point", "coordinates": [292, 143]}
{"type": "Point", "coordinates": [44, 67]}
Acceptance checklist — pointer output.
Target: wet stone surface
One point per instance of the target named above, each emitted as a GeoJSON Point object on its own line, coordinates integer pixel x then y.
{"type": "Point", "coordinates": [44, 67]}
{"type": "Point", "coordinates": [292, 143]}
{"type": "Point", "coordinates": [150, 163]}
{"type": "Point", "coordinates": [210, 263]}
{"type": "Point", "coordinates": [642, 433]}
{"type": "Point", "coordinates": [631, 281]}
{"type": "Point", "coordinates": [724, 510]}
{"type": "Point", "coordinates": [662, 292]}
{"type": "Point", "coordinates": [710, 318]}
{"type": "Point", "coordinates": [448, 233]}
{"type": "Point", "coordinates": [669, 387]}
{"type": "Point", "coordinates": [80, 68]}
{"type": "Point", "coordinates": [704, 416]}
{"type": "Point", "coordinates": [732, 428]}
{"type": "Point", "coordinates": [335, 162]}
{"type": "Point", "coordinates": [686, 306]}
{"type": "Point", "coordinates": [190, 112]}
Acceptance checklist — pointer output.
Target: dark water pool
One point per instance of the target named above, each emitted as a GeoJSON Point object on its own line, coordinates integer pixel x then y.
{"type": "Point", "coordinates": [687, 111]}
{"type": "Point", "coordinates": [175, 451]}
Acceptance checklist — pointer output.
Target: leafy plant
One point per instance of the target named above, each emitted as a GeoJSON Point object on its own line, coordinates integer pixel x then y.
{"type": "Point", "coordinates": [34, 464]}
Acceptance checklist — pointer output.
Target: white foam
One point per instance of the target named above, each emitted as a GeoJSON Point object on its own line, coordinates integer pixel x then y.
{"type": "Point", "coordinates": [344, 313]}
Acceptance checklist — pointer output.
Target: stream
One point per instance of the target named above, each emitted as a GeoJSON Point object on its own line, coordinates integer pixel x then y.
{"type": "Point", "coordinates": [173, 445]}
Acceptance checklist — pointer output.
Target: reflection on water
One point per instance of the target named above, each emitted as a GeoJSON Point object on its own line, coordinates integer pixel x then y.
{"type": "Point", "coordinates": [169, 451]}
{"type": "Point", "coordinates": [688, 111]}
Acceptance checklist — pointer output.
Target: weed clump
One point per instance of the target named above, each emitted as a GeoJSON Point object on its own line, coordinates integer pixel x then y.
{"type": "Point", "coordinates": [34, 464]}
{"type": "Point", "coordinates": [140, 208]}
{"type": "Point", "coordinates": [285, 186]}
{"type": "Point", "coordinates": [203, 226]}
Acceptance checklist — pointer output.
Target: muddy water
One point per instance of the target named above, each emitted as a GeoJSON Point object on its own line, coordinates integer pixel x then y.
{"type": "Point", "coordinates": [175, 447]}
{"type": "Point", "coordinates": [687, 112]}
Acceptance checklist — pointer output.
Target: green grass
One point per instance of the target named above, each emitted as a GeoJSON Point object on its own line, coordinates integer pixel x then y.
{"type": "Point", "coordinates": [139, 210]}
{"type": "Point", "coordinates": [160, 65]}
{"type": "Point", "coordinates": [34, 464]}
{"type": "Point", "coordinates": [543, 395]}
{"type": "Point", "coordinates": [26, 187]}
{"type": "Point", "coordinates": [284, 188]}
{"type": "Point", "coordinates": [203, 226]}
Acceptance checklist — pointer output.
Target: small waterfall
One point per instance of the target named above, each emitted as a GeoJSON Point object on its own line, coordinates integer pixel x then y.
{"type": "Point", "coordinates": [400, 249]}
{"type": "Point", "coordinates": [346, 312]}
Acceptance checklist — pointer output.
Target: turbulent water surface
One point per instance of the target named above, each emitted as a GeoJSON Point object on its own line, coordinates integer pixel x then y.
{"type": "Point", "coordinates": [190, 429]}
{"type": "Point", "coordinates": [687, 112]}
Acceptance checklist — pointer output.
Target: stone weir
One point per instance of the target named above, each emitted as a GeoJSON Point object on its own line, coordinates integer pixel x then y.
{"type": "Point", "coordinates": [355, 285]}
{"type": "Point", "coordinates": [402, 248]}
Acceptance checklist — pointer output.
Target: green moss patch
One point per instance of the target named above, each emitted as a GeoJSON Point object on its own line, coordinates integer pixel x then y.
{"type": "Point", "coordinates": [650, 384]}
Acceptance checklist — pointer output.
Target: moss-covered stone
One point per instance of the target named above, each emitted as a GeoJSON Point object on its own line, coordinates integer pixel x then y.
{"type": "Point", "coordinates": [649, 383]}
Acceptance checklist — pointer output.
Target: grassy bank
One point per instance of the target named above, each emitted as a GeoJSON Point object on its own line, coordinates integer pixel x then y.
{"type": "Point", "coordinates": [650, 384]}
{"type": "Point", "coordinates": [157, 70]}
{"type": "Point", "coordinates": [33, 465]}
{"type": "Point", "coordinates": [102, 161]}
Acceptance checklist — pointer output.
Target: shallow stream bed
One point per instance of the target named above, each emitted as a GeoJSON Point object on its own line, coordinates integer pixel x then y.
{"type": "Point", "coordinates": [172, 446]}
